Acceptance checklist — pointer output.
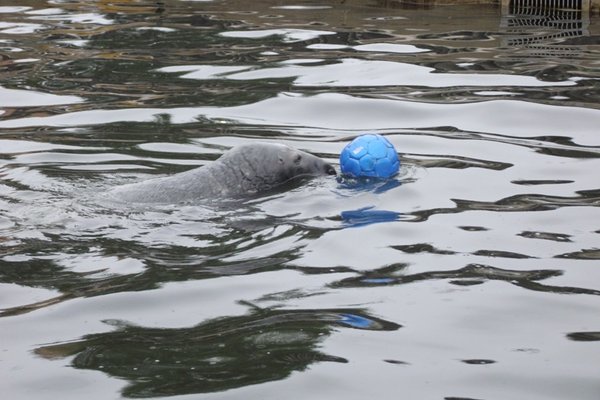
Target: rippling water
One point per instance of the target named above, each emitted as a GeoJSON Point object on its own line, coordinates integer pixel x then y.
{"type": "Point", "coordinates": [472, 275]}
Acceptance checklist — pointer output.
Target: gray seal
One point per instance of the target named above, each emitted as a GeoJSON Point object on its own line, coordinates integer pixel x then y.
{"type": "Point", "coordinates": [243, 171]}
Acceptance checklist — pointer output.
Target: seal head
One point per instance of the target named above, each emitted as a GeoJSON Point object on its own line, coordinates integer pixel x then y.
{"type": "Point", "coordinates": [266, 166]}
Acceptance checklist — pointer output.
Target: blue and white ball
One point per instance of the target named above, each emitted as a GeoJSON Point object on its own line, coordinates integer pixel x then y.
{"type": "Point", "coordinates": [369, 155]}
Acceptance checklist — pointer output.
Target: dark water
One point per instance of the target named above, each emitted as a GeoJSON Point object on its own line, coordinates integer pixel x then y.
{"type": "Point", "coordinates": [475, 274]}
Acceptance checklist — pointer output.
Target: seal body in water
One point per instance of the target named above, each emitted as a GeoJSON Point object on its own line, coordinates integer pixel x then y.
{"type": "Point", "coordinates": [242, 171]}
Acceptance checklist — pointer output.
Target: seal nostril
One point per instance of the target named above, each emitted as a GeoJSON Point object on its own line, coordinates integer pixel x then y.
{"type": "Point", "coordinates": [329, 170]}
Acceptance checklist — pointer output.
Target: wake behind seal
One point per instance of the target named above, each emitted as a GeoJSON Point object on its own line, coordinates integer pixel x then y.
{"type": "Point", "coordinates": [243, 171]}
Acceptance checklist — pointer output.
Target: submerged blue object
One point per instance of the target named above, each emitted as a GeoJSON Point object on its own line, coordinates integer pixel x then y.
{"type": "Point", "coordinates": [369, 155]}
{"type": "Point", "coordinates": [367, 215]}
{"type": "Point", "coordinates": [355, 321]}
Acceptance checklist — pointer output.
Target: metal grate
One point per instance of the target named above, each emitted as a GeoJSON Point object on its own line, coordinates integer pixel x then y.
{"type": "Point", "coordinates": [539, 27]}
{"type": "Point", "coordinates": [547, 4]}
{"type": "Point", "coordinates": [532, 7]}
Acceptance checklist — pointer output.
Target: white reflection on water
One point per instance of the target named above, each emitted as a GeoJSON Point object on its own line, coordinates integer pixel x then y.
{"type": "Point", "coordinates": [354, 72]}
{"type": "Point", "coordinates": [344, 112]}
{"type": "Point", "coordinates": [18, 28]}
{"type": "Point", "coordinates": [84, 18]}
{"type": "Point", "coordinates": [46, 11]}
{"type": "Point", "coordinates": [12, 9]}
{"type": "Point", "coordinates": [30, 98]}
{"type": "Point", "coordinates": [288, 35]}
{"type": "Point", "coordinates": [388, 48]}
{"type": "Point", "coordinates": [203, 71]}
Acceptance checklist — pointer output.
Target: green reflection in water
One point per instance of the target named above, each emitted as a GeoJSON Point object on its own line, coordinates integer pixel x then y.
{"type": "Point", "coordinates": [216, 355]}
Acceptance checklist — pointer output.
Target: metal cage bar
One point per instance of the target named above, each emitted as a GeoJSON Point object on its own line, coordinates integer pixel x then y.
{"type": "Point", "coordinates": [510, 6]}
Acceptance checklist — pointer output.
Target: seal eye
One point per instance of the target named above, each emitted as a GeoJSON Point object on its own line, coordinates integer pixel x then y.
{"type": "Point", "coordinates": [297, 159]}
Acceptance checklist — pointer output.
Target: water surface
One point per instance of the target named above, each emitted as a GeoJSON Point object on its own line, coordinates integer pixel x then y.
{"type": "Point", "coordinates": [471, 275]}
